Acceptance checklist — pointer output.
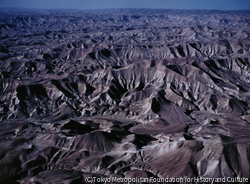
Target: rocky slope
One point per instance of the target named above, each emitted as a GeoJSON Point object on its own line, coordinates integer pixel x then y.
{"type": "Point", "coordinates": [124, 93]}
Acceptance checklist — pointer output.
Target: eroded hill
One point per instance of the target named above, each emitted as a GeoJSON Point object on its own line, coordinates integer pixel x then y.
{"type": "Point", "coordinates": [125, 93]}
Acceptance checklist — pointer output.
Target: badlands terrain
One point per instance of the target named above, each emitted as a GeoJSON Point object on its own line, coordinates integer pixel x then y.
{"type": "Point", "coordinates": [123, 93]}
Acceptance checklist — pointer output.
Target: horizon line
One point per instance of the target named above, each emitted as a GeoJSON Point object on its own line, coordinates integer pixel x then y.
{"type": "Point", "coordinates": [90, 9]}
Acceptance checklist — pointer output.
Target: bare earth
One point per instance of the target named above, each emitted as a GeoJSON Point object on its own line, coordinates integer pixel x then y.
{"type": "Point", "coordinates": [123, 93]}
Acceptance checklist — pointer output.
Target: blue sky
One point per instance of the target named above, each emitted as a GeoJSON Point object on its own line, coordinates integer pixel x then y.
{"type": "Point", "coordinates": [104, 4]}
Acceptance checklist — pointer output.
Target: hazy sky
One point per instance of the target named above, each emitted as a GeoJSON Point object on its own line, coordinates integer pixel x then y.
{"type": "Point", "coordinates": [100, 4]}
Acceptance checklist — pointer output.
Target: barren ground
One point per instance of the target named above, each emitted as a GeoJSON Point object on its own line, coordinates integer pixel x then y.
{"type": "Point", "coordinates": [123, 93]}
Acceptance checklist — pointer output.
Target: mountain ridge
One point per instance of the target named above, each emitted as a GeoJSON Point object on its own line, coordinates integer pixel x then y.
{"type": "Point", "coordinates": [117, 94]}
